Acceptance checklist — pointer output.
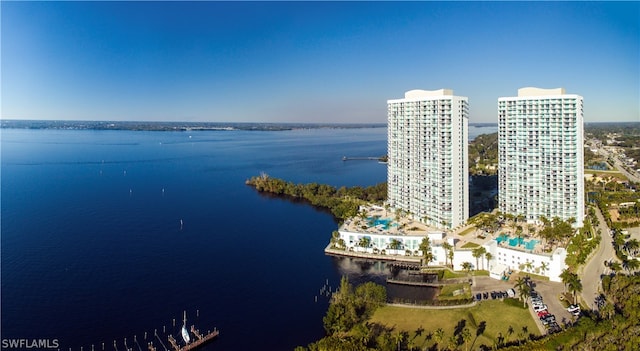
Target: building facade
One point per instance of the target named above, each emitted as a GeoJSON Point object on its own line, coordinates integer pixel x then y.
{"type": "Point", "coordinates": [541, 156]}
{"type": "Point", "coordinates": [428, 167]}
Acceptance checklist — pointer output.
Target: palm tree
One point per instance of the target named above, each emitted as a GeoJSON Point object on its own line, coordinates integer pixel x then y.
{"type": "Point", "coordinates": [575, 286]}
{"type": "Point", "coordinates": [489, 257]}
{"type": "Point", "coordinates": [364, 242]}
{"type": "Point", "coordinates": [447, 247]}
{"type": "Point", "coordinates": [566, 276]}
{"type": "Point", "coordinates": [608, 310]}
{"type": "Point", "coordinates": [615, 267]}
{"type": "Point", "coordinates": [631, 246]}
{"type": "Point", "coordinates": [531, 229]}
{"type": "Point", "coordinates": [467, 266]}
{"type": "Point", "coordinates": [453, 343]}
{"type": "Point", "coordinates": [427, 254]}
{"type": "Point", "coordinates": [438, 336]}
{"type": "Point", "coordinates": [398, 337]}
{"type": "Point", "coordinates": [395, 244]}
{"type": "Point", "coordinates": [631, 264]}
{"type": "Point", "coordinates": [543, 267]}
{"type": "Point", "coordinates": [483, 252]}
{"type": "Point", "coordinates": [523, 289]}
{"type": "Point", "coordinates": [499, 339]}
{"type": "Point", "coordinates": [519, 233]}
{"type": "Point", "coordinates": [398, 214]}
{"type": "Point", "coordinates": [466, 336]}
{"type": "Point", "coordinates": [510, 331]}
{"type": "Point", "coordinates": [528, 266]}
{"type": "Point", "coordinates": [476, 253]}
{"type": "Point", "coordinates": [426, 219]}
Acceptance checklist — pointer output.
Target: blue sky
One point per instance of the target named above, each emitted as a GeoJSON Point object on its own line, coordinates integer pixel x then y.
{"type": "Point", "coordinates": [309, 61]}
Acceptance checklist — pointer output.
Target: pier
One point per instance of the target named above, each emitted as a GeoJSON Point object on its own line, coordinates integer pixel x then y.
{"type": "Point", "coordinates": [200, 340]}
{"type": "Point", "coordinates": [156, 337]}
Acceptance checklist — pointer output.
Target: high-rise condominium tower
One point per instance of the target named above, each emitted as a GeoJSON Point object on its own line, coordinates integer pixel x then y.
{"type": "Point", "coordinates": [541, 156]}
{"type": "Point", "coordinates": [428, 167]}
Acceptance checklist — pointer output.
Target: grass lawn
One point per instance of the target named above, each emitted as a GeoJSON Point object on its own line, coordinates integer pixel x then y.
{"type": "Point", "coordinates": [467, 231]}
{"type": "Point", "coordinates": [497, 315]}
{"type": "Point", "coordinates": [448, 274]}
{"type": "Point", "coordinates": [603, 174]}
{"type": "Point", "coordinates": [469, 245]}
{"type": "Point", "coordinates": [455, 291]}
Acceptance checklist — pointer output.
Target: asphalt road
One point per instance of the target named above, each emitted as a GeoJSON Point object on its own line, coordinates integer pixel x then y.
{"type": "Point", "coordinates": [595, 268]}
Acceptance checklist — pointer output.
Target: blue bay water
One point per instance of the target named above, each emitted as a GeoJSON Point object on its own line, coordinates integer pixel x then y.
{"type": "Point", "coordinates": [93, 249]}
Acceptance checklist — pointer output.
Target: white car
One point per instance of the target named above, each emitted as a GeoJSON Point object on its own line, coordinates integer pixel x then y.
{"type": "Point", "coordinates": [574, 309]}
{"type": "Point", "coordinates": [539, 308]}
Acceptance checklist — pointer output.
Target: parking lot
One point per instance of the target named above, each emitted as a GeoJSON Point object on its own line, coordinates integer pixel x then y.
{"type": "Point", "coordinates": [548, 291]}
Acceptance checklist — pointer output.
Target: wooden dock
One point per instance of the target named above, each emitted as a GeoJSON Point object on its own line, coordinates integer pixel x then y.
{"type": "Point", "coordinates": [200, 340]}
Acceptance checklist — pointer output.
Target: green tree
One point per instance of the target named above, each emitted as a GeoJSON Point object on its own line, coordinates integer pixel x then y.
{"type": "Point", "coordinates": [467, 266]}
{"type": "Point", "coordinates": [395, 244]}
{"type": "Point", "coordinates": [466, 337]}
{"type": "Point", "coordinates": [438, 336]}
{"type": "Point", "coordinates": [544, 266]}
{"type": "Point", "coordinates": [615, 266]}
{"type": "Point", "coordinates": [398, 338]}
{"type": "Point", "coordinates": [478, 252]}
{"type": "Point", "coordinates": [364, 242]}
{"type": "Point", "coordinates": [575, 286]}
{"type": "Point", "coordinates": [450, 255]}
{"type": "Point", "coordinates": [565, 276]}
{"type": "Point", "coordinates": [447, 248]}
{"type": "Point", "coordinates": [489, 257]}
{"type": "Point", "coordinates": [523, 290]}
{"type": "Point", "coordinates": [427, 254]}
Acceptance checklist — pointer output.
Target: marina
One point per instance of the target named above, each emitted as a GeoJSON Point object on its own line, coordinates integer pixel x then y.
{"type": "Point", "coordinates": [155, 341]}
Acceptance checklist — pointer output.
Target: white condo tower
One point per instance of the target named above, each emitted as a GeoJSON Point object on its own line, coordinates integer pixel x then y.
{"type": "Point", "coordinates": [428, 167]}
{"type": "Point", "coordinates": [541, 156]}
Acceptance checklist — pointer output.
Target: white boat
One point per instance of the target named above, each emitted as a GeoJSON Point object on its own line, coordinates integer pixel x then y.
{"type": "Point", "coordinates": [185, 332]}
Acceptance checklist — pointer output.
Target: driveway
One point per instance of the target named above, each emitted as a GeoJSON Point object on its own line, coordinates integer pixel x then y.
{"type": "Point", "coordinates": [550, 292]}
{"type": "Point", "coordinates": [594, 268]}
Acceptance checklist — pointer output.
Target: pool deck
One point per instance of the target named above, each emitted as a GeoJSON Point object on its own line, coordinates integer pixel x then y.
{"type": "Point", "coordinates": [409, 227]}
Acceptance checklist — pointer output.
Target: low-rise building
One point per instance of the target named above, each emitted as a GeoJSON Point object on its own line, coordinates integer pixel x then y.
{"type": "Point", "coordinates": [386, 237]}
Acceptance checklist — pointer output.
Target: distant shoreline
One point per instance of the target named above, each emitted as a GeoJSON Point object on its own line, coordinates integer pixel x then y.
{"type": "Point", "coordinates": [177, 126]}
{"type": "Point", "coordinates": [188, 126]}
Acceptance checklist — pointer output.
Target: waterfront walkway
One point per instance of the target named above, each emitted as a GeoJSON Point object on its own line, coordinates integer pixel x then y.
{"type": "Point", "coordinates": [431, 307]}
{"type": "Point", "coordinates": [378, 257]}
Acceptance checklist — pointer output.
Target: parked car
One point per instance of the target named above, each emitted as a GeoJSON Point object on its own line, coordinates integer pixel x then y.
{"type": "Point", "coordinates": [511, 293]}
{"type": "Point", "coordinates": [573, 308]}
{"type": "Point", "coordinates": [539, 308]}
{"type": "Point", "coordinates": [542, 313]}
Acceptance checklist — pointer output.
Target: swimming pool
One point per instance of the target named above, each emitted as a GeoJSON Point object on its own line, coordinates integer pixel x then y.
{"type": "Point", "coordinates": [529, 245]}
{"type": "Point", "coordinates": [501, 238]}
{"type": "Point", "coordinates": [376, 221]}
{"type": "Point", "coordinates": [513, 242]}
